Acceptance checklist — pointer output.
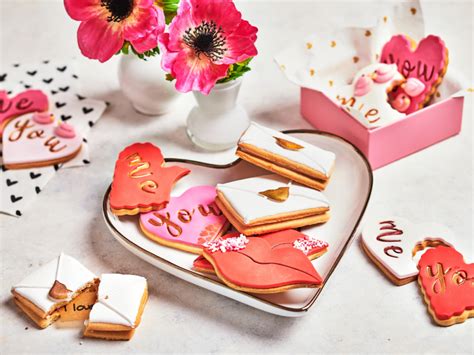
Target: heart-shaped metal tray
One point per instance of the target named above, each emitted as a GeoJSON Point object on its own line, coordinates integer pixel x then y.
{"type": "Point", "coordinates": [348, 192]}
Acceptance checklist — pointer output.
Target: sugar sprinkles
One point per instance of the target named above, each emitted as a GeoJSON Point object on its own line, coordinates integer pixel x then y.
{"type": "Point", "coordinates": [308, 243]}
{"type": "Point", "coordinates": [229, 244]}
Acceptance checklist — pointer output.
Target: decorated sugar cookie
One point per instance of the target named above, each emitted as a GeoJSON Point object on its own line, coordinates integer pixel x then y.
{"type": "Point", "coordinates": [36, 139]}
{"type": "Point", "coordinates": [270, 203]}
{"type": "Point", "coordinates": [447, 284]}
{"type": "Point", "coordinates": [253, 265]}
{"type": "Point", "coordinates": [427, 62]}
{"type": "Point", "coordinates": [119, 307]}
{"type": "Point", "coordinates": [43, 294]}
{"type": "Point", "coordinates": [310, 246]}
{"type": "Point", "coordinates": [25, 102]}
{"type": "Point", "coordinates": [188, 221]}
{"type": "Point", "coordinates": [394, 244]}
{"type": "Point", "coordinates": [141, 181]}
{"type": "Point", "coordinates": [366, 98]}
{"type": "Point", "coordinates": [286, 155]}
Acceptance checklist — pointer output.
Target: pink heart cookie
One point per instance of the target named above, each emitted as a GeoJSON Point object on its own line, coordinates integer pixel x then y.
{"type": "Point", "coordinates": [187, 222]}
{"type": "Point", "coordinates": [23, 103]}
{"type": "Point", "coordinates": [37, 140]}
{"type": "Point", "coordinates": [426, 62]}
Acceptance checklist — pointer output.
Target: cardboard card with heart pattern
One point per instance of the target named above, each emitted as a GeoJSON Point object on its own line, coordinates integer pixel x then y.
{"type": "Point", "coordinates": [395, 245]}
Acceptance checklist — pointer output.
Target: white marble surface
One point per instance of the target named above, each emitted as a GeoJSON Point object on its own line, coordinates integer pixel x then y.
{"type": "Point", "coordinates": [358, 311]}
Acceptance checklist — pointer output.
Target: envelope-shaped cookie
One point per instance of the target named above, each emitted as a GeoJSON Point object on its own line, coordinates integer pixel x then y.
{"type": "Point", "coordinates": [120, 303]}
{"type": "Point", "coordinates": [270, 203]}
{"type": "Point", "coordinates": [287, 156]}
{"type": "Point", "coordinates": [54, 285]}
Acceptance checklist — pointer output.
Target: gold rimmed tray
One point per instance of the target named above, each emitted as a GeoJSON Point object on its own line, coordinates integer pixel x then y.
{"type": "Point", "coordinates": [348, 192]}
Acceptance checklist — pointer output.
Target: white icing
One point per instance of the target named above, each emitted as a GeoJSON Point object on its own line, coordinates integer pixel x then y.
{"type": "Point", "coordinates": [309, 156]}
{"type": "Point", "coordinates": [376, 98]}
{"type": "Point", "coordinates": [34, 150]}
{"type": "Point", "coordinates": [67, 270]}
{"type": "Point", "coordinates": [243, 196]}
{"type": "Point", "coordinates": [404, 264]}
{"type": "Point", "coordinates": [119, 299]}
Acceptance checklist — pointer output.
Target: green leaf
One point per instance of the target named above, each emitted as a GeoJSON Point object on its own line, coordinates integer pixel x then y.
{"type": "Point", "coordinates": [170, 8]}
{"type": "Point", "coordinates": [236, 71]}
{"type": "Point", "coordinates": [169, 77]}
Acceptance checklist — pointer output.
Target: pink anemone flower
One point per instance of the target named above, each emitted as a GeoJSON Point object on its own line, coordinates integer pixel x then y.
{"type": "Point", "coordinates": [204, 39]}
{"type": "Point", "coordinates": [107, 24]}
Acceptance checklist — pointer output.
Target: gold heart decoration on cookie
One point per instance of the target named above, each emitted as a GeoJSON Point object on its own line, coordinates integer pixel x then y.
{"type": "Point", "coordinates": [59, 291]}
{"type": "Point", "coordinates": [277, 195]}
{"type": "Point", "coordinates": [285, 144]}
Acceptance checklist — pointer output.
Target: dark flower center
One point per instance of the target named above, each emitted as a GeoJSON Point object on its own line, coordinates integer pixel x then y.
{"type": "Point", "coordinates": [206, 39]}
{"type": "Point", "coordinates": [118, 9]}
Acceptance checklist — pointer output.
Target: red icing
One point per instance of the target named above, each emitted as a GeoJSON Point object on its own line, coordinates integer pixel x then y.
{"type": "Point", "coordinates": [281, 239]}
{"type": "Point", "coordinates": [262, 266]}
{"type": "Point", "coordinates": [448, 282]}
{"type": "Point", "coordinates": [140, 180]}
{"type": "Point", "coordinates": [23, 103]}
{"type": "Point", "coordinates": [425, 63]}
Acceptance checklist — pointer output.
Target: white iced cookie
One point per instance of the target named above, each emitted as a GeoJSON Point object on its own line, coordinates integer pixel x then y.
{"type": "Point", "coordinates": [366, 99]}
{"type": "Point", "coordinates": [395, 245]}
{"type": "Point", "coordinates": [120, 303]}
{"type": "Point", "coordinates": [42, 293]}
{"type": "Point", "coordinates": [270, 203]}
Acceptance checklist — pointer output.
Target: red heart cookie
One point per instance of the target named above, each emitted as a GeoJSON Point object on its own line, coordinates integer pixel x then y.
{"type": "Point", "coordinates": [289, 238]}
{"type": "Point", "coordinates": [252, 265]}
{"type": "Point", "coordinates": [426, 62]}
{"type": "Point", "coordinates": [23, 103]}
{"type": "Point", "coordinates": [141, 182]}
{"type": "Point", "coordinates": [447, 284]}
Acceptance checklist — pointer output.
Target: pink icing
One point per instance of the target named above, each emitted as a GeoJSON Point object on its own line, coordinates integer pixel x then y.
{"type": "Point", "coordinates": [384, 73]}
{"type": "Point", "coordinates": [192, 218]}
{"type": "Point", "coordinates": [414, 87]}
{"type": "Point", "coordinates": [401, 103]}
{"type": "Point", "coordinates": [308, 243]}
{"type": "Point", "coordinates": [229, 244]}
{"type": "Point", "coordinates": [65, 130]}
{"type": "Point", "coordinates": [23, 103]}
{"type": "Point", "coordinates": [362, 86]}
{"type": "Point", "coordinates": [43, 117]}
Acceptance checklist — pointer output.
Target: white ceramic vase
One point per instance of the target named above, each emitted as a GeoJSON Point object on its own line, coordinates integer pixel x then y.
{"type": "Point", "coordinates": [144, 83]}
{"type": "Point", "coordinates": [217, 122]}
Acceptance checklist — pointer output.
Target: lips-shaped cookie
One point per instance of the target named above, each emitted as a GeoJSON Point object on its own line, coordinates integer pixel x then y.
{"type": "Point", "coordinates": [188, 221]}
{"type": "Point", "coordinates": [252, 265]}
{"type": "Point", "coordinates": [447, 284]}
{"type": "Point", "coordinates": [25, 102]}
{"type": "Point", "coordinates": [393, 242]}
{"type": "Point", "coordinates": [37, 140]}
{"type": "Point", "coordinates": [290, 238]}
{"type": "Point", "coordinates": [141, 182]}
{"type": "Point", "coordinates": [427, 62]}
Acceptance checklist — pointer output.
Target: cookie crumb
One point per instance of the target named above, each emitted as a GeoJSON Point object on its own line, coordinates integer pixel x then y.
{"type": "Point", "coordinates": [80, 343]}
{"type": "Point", "coordinates": [26, 328]}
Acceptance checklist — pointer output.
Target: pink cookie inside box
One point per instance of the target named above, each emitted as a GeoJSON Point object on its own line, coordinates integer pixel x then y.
{"type": "Point", "coordinates": [384, 145]}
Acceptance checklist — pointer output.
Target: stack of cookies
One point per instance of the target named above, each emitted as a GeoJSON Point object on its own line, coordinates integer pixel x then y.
{"type": "Point", "coordinates": [264, 253]}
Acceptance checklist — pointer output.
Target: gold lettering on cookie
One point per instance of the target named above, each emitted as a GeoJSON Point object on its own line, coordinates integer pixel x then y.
{"type": "Point", "coordinates": [280, 194]}
{"type": "Point", "coordinates": [211, 209]}
{"type": "Point", "coordinates": [52, 143]}
{"type": "Point", "coordinates": [184, 216]}
{"type": "Point", "coordinates": [138, 165]}
{"type": "Point", "coordinates": [173, 229]}
{"type": "Point", "coordinates": [388, 230]}
{"type": "Point", "coordinates": [20, 128]}
{"type": "Point", "coordinates": [288, 145]}
{"type": "Point", "coordinates": [149, 186]}
{"type": "Point", "coordinates": [439, 284]}
{"type": "Point", "coordinates": [35, 134]}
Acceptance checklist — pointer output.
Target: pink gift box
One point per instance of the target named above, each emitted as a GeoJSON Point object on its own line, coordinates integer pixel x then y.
{"type": "Point", "coordinates": [386, 144]}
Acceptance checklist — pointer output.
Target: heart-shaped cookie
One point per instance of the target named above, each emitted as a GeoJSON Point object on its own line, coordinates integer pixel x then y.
{"type": "Point", "coordinates": [447, 284]}
{"type": "Point", "coordinates": [141, 182]}
{"type": "Point", "coordinates": [252, 265]}
{"type": "Point", "coordinates": [394, 244]}
{"type": "Point", "coordinates": [311, 247]}
{"type": "Point", "coordinates": [188, 221]}
{"type": "Point", "coordinates": [37, 140]}
{"type": "Point", "coordinates": [427, 62]}
{"type": "Point", "coordinates": [25, 102]}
